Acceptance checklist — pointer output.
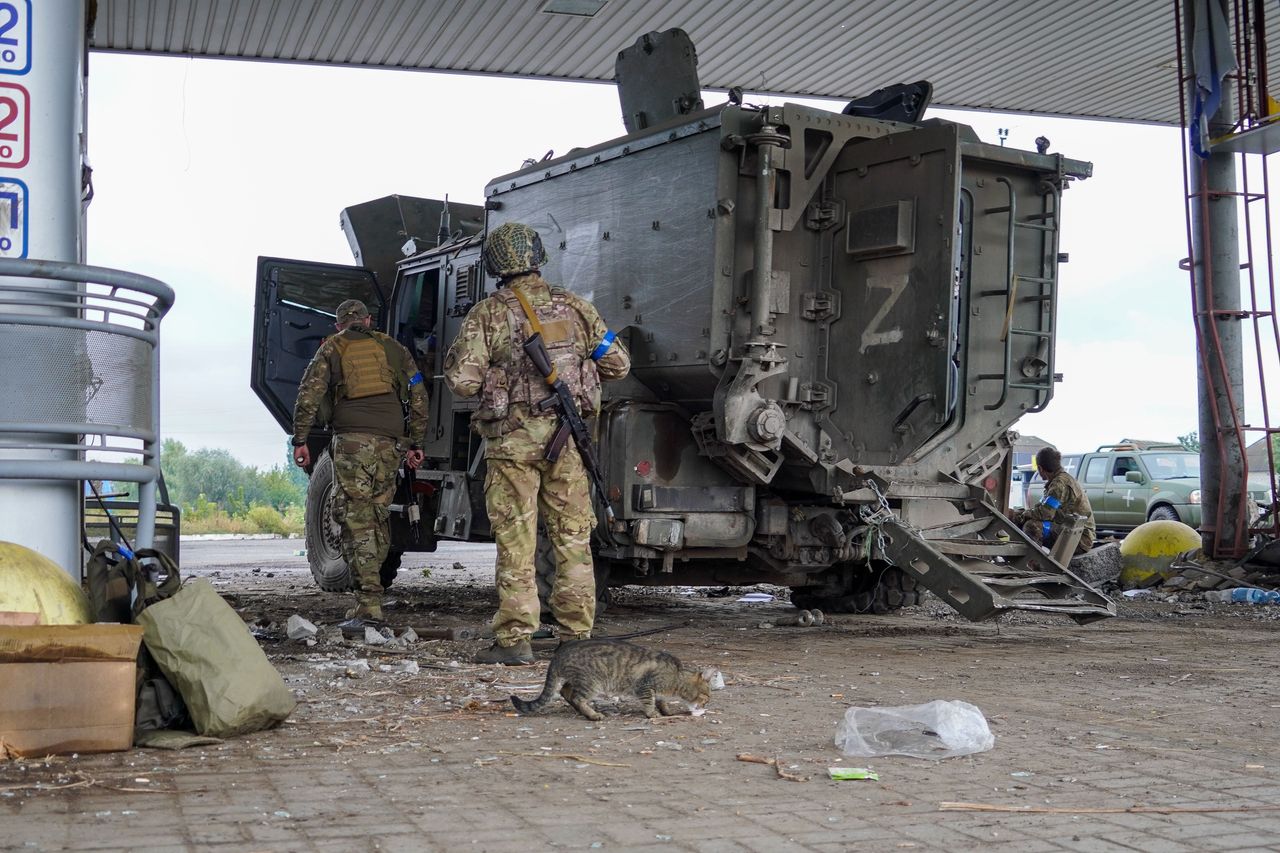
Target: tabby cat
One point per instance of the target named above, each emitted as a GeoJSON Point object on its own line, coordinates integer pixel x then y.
{"type": "Point", "coordinates": [584, 669]}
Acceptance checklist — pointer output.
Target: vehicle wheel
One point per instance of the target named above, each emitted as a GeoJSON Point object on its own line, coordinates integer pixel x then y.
{"type": "Point", "coordinates": [879, 593]}
{"type": "Point", "coordinates": [324, 535]}
{"type": "Point", "coordinates": [1163, 513]}
{"type": "Point", "coordinates": [544, 563]}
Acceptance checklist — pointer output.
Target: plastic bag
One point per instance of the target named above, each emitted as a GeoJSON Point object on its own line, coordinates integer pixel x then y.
{"type": "Point", "coordinates": [938, 729]}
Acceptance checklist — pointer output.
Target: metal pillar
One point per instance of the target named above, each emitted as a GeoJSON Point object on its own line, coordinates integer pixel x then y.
{"type": "Point", "coordinates": [42, 74]}
{"type": "Point", "coordinates": [1215, 236]}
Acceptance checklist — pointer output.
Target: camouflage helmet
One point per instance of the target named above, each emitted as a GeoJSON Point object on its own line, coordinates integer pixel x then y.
{"type": "Point", "coordinates": [511, 249]}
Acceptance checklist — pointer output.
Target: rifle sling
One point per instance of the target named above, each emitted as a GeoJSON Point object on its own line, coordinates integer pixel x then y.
{"type": "Point", "coordinates": [537, 330]}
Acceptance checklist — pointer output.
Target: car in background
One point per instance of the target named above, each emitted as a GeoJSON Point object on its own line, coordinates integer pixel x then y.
{"type": "Point", "coordinates": [1128, 485]}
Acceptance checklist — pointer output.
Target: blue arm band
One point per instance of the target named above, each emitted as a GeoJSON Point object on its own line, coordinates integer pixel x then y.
{"type": "Point", "coordinates": [1044, 526]}
{"type": "Point", "coordinates": [1051, 502]}
{"type": "Point", "coordinates": [605, 342]}
{"type": "Point", "coordinates": [124, 551]}
{"type": "Point", "coordinates": [415, 378]}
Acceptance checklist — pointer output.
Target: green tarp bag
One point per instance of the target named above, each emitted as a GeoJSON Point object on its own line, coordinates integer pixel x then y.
{"type": "Point", "coordinates": [206, 651]}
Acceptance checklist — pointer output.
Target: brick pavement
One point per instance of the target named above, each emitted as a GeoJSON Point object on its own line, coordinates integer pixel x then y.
{"type": "Point", "coordinates": [1157, 711]}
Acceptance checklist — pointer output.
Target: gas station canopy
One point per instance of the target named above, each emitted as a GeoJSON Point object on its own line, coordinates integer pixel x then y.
{"type": "Point", "coordinates": [1079, 58]}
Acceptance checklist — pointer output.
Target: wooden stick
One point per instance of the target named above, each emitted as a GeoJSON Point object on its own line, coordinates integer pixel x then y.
{"type": "Point", "coordinates": [772, 762]}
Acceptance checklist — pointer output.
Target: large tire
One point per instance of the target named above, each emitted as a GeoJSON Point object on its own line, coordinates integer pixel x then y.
{"type": "Point", "coordinates": [544, 564]}
{"type": "Point", "coordinates": [324, 549]}
{"type": "Point", "coordinates": [879, 593]}
{"type": "Point", "coordinates": [1163, 513]}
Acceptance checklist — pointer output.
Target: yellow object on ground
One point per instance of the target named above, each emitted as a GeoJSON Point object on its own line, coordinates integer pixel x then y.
{"type": "Point", "coordinates": [31, 582]}
{"type": "Point", "coordinates": [1145, 554]}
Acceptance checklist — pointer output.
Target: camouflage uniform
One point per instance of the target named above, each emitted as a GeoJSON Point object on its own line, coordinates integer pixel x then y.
{"type": "Point", "coordinates": [365, 462]}
{"type": "Point", "coordinates": [1062, 494]}
{"type": "Point", "coordinates": [486, 359]}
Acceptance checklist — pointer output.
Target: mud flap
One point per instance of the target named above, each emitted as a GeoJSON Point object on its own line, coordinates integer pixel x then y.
{"type": "Point", "coordinates": [985, 577]}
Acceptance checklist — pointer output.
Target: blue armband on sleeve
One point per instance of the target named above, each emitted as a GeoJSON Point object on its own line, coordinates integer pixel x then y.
{"type": "Point", "coordinates": [605, 342]}
{"type": "Point", "coordinates": [1044, 537]}
{"type": "Point", "coordinates": [124, 551]}
{"type": "Point", "coordinates": [415, 378]}
{"type": "Point", "coordinates": [1051, 502]}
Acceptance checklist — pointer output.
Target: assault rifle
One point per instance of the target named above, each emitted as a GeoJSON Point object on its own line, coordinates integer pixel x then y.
{"type": "Point", "coordinates": [571, 423]}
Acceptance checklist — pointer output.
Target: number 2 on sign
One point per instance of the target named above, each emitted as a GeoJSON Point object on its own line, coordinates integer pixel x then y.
{"type": "Point", "coordinates": [15, 36]}
{"type": "Point", "coordinates": [15, 123]}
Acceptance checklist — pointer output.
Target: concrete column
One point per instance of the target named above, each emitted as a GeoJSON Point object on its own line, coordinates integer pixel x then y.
{"type": "Point", "coordinates": [42, 79]}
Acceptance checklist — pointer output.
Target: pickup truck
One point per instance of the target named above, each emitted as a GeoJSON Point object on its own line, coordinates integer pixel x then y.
{"type": "Point", "coordinates": [1128, 485]}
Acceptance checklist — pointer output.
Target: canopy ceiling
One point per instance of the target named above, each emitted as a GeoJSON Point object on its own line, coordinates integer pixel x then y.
{"type": "Point", "coordinates": [1086, 58]}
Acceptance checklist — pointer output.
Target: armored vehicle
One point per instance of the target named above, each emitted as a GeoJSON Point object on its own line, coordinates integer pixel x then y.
{"type": "Point", "coordinates": [834, 320]}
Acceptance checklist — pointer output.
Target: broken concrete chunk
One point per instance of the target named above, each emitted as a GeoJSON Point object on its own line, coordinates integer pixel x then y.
{"type": "Point", "coordinates": [409, 636]}
{"type": "Point", "coordinates": [374, 637]}
{"type": "Point", "coordinates": [300, 628]}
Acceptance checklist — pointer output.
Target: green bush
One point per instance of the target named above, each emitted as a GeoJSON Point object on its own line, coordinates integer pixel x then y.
{"type": "Point", "coordinates": [266, 519]}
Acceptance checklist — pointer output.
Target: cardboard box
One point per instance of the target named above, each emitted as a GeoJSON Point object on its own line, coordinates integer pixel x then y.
{"type": "Point", "coordinates": [68, 688]}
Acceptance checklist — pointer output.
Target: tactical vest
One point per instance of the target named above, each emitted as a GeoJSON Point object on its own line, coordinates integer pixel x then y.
{"type": "Point", "coordinates": [366, 370]}
{"type": "Point", "coordinates": [362, 367]}
{"type": "Point", "coordinates": [519, 383]}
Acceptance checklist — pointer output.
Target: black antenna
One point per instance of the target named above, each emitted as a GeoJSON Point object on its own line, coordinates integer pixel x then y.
{"type": "Point", "coordinates": [445, 229]}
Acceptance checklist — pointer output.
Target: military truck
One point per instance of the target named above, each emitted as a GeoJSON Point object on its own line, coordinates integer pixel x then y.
{"type": "Point", "coordinates": [834, 320]}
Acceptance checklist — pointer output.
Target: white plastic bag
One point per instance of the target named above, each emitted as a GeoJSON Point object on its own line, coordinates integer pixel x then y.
{"type": "Point", "coordinates": [938, 729]}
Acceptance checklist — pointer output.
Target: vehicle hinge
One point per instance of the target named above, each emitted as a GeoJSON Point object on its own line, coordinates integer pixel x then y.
{"type": "Point", "coordinates": [821, 215]}
{"type": "Point", "coordinates": [817, 305]}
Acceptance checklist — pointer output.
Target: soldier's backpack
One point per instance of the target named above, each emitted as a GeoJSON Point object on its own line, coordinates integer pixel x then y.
{"type": "Point", "coordinates": [121, 584]}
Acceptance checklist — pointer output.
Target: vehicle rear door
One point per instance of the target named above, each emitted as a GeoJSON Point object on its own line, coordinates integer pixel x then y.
{"type": "Point", "coordinates": [1094, 479]}
{"type": "Point", "coordinates": [294, 308]}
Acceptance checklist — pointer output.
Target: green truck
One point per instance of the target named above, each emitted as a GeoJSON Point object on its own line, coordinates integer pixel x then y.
{"type": "Point", "coordinates": [1130, 484]}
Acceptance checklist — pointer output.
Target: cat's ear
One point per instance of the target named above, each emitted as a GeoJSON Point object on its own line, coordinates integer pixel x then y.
{"type": "Point", "coordinates": [713, 677]}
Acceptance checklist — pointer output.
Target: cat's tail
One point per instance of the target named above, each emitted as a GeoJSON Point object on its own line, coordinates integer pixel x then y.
{"type": "Point", "coordinates": [533, 706]}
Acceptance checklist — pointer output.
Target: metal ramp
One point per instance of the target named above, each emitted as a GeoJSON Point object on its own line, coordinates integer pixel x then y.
{"type": "Point", "coordinates": [982, 575]}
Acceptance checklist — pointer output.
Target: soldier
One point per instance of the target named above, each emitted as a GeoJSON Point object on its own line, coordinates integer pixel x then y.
{"type": "Point", "coordinates": [487, 358]}
{"type": "Point", "coordinates": [363, 378]}
{"type": "Point", "coordinates": [1062, 494]}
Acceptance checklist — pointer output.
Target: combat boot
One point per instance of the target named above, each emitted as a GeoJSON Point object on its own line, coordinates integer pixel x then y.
{"type": "Point", "coordinates": [518, 655]}
{"type": "Point", "coordinates": [363, 615]}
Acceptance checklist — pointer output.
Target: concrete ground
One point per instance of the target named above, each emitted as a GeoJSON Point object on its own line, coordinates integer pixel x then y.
{"type": "Point", "coordinates": [1153, 731]}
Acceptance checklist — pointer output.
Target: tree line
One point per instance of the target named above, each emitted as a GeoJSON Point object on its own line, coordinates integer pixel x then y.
{"type": "Point", "coordinates": [219, 494]}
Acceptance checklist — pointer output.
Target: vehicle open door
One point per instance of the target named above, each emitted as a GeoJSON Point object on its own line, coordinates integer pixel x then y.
{"type": "Point", "coordinates": [294, 310]}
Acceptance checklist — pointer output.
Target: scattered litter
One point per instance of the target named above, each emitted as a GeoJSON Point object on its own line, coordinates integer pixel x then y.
{"type": "Point", "coordinates": [938, 729]}
{"type": "Point", "coordinates": [771, 762]}
{"type": "Point", "coordinates": [301, 552]}
{"type": "Point", "coordinates": [1022, 774]}
{"type": "Point", "coordinates": [1138, 593]}
{"type": "Point", "coordinates": [756, 598]}
{"type": "Point", "coordinates": [409, 636]}
{"type": "Point", "coordinates": [566, 756]}
{"type": "Point", "coordinates": [459, 567]}
{"type": "Point", "coordinates": [849, 774]}
{"type": "Point", "coordinates": [406, 667]}
{"type": "Point", "coordinates": [663, 837]}
{"type": "Point", "coordinates": [281, 813]}
{"type": "Point", "coordinates": [697, 712]}
{"type": "Point", "coordinates": [299, 628]}
{"type": "Point", "coordinates": [716, 681]}
{"type": "Point", "coordinates": [374, 637]}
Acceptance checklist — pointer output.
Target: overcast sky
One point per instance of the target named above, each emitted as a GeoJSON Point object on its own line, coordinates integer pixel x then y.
{"type": "Point", "coordinates": [200, 166]}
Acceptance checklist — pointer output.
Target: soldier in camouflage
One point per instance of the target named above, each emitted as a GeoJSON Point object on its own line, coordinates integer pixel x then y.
{"type": "Point", "coordinates": [1062, 495]}
{"type": "Point", "coordinates": [360, 380]}
{"type": "Point", "coordinates": [487, 359]}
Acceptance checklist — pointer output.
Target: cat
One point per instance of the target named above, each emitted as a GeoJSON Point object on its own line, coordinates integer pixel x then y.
{"type": "Point", "coordinates": [584, 669]}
